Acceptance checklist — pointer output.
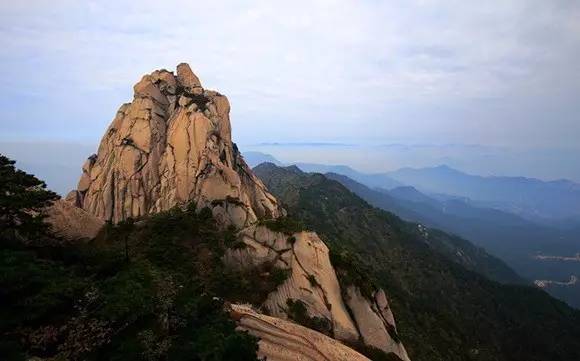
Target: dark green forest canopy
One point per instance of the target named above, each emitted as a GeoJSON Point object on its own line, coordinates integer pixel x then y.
{"type": "Point", "coordinates": [142, 290]}
{"type": "Point", "coordinates": [443, 311]}
{"type": "Point", "coordinates": [153, 289]}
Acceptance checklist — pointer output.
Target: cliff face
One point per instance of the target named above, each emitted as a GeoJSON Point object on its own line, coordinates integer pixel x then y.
{"type": "Point", "coordinates": [169, 146]}
{"type": "Point", "coordinates": [341, 311]}
{"type": "Point", "coordinates": [172, 145]}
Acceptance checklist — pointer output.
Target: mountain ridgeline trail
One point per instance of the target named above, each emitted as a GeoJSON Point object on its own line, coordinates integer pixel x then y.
{"type": "Point", "coordinates": [445, 309]}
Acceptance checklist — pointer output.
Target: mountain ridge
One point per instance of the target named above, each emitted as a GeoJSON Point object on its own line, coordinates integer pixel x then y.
{"type": "Point", "coordinates": [170, 149]}
{"type": "Point", "coordinates": [432, 296]}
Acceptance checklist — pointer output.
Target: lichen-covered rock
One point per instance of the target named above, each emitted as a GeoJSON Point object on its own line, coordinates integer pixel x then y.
{"type": "Point", "coordinates": [169, 146]}
{"type": "Point", "coordinates": [282, 340]}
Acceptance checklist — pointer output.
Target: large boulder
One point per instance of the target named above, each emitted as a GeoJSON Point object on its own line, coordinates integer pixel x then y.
{"type": "Point", "coordinates": [70, 222]}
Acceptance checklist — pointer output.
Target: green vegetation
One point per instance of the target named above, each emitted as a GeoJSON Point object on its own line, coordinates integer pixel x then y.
{"type": "Point", "coordinates": [22, 196]}
{"type": "Point", "coordinates": [443, 311]}
{"type": "Point", "coordinates": [284, 225]}
{"type": "Point", "coordinates": [452, 247]}
{"type": "Point", "coordinates": [291, 240]}
{"type": "Point", "coordinates": [296, 310]}
{"type": "Point", "coordinates": [143, 291]}
{"type": "Point", "coordinates": [373, 353]}
{"type": "Point", "coordinates": [228, 200]}
{"type": "Point", "coordinates": [150, 289]}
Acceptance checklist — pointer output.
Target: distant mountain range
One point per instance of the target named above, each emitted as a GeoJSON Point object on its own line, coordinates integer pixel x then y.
{"type": "Point", "coordinates": [552, 203]}
{"type": "Point", "coordinates": [255, 158]}
{"type": "Point", "coordinates": [528, 197]}
{"type": "Point", "coordinates": [507, 235]}
{"type": "Point", "coordinates": [439, 301]}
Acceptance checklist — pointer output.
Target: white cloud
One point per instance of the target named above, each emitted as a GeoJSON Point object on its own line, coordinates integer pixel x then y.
{"type": "Point", "coordinates": [342, 69]}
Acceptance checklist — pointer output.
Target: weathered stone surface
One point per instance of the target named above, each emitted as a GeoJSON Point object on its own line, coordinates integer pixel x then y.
{"type": "Point", "coordinates": [282, 340]}
{"type": "Point", "coordinates": [313, 281]}
{"type": "Point", "coordinates": [159, 152]}
{"type": "Point", "coordinates": [371, 323]}
{"type": "Point", "coordinates": [72, 223]}
{"type": "Point", "coordinates": [186, 77]}
{"type": "Point", "coordinates": [312, 278]}
{"type": "Point", "coordinates": [172, 145]}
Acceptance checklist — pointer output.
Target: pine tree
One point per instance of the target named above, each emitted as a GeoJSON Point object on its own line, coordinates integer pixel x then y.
{"type": "Point", "coordinates": [22, 199]}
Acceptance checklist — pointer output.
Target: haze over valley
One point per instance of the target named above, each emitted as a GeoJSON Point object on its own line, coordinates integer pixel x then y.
{"type": "Point", "coordinates": [321, 180]}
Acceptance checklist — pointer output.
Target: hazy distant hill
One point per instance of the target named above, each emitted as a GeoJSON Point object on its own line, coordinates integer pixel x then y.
{"type": "Point", "coordinates": [255, 158]}
{"type": "Point", "coordinates": [508, 236]}
{"type": "Point", "coordinates": [446, 311]}
{"type": "Point", "coordinates": [531, 198]}
{"type": "Point", "coordinates": [57, 163]}
{"type": "Point", "coordinates": [372, 180]}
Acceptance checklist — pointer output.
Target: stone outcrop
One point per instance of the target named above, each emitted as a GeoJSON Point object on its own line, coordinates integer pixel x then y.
{"type": "Point", "coordinates": [313, 281]}
{"type": "Point", "coordinates": [70, 222]}
{"type": "Point", "coordinates": [282, 340]}
{"type": "Point", "coordinates": [312, 278]}
{"type": "Point", "coordinates": [376, 322]}
{"type": "Point", "coordinates": [172, 145]}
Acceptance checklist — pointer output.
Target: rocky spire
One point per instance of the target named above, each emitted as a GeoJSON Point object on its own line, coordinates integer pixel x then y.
{"type": "Point", "coordinates": [172, 145]}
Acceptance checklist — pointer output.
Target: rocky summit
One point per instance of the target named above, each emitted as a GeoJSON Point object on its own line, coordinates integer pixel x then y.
{"type": "Point", "coordinates": [172, 146]}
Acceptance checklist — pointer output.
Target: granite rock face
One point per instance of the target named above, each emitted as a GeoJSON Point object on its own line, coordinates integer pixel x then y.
{"type": "Point", "coordinates": [172, 145]}
{"type": "Point", "coordinates": [350, 316]}
{"type": "Point", "coordinates": [312, 279]}
{"type": "Point", "coordinates": [72, 223]}
{"type": "Point", "coordinates": [281, 340]}
{"type": "Point", "coordinates": [375, 321]}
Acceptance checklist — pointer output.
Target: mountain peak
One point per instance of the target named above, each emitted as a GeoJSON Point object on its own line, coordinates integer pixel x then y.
{"type": "Point", "coordinates": [186, 77]}
{"type": "Point", "coordinates": [172, 145]}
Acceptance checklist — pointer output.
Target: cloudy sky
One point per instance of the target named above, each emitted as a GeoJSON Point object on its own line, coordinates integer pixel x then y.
{"type": "Point", "coordinates": [500, 72]}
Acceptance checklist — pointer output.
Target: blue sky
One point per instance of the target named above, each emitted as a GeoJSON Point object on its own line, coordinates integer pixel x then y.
{"type": "Point", "coordinates": [496, 73]}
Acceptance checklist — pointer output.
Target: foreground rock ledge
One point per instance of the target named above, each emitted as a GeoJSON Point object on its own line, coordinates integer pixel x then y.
{"type": "Point", "coordinates": [282, 340]}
